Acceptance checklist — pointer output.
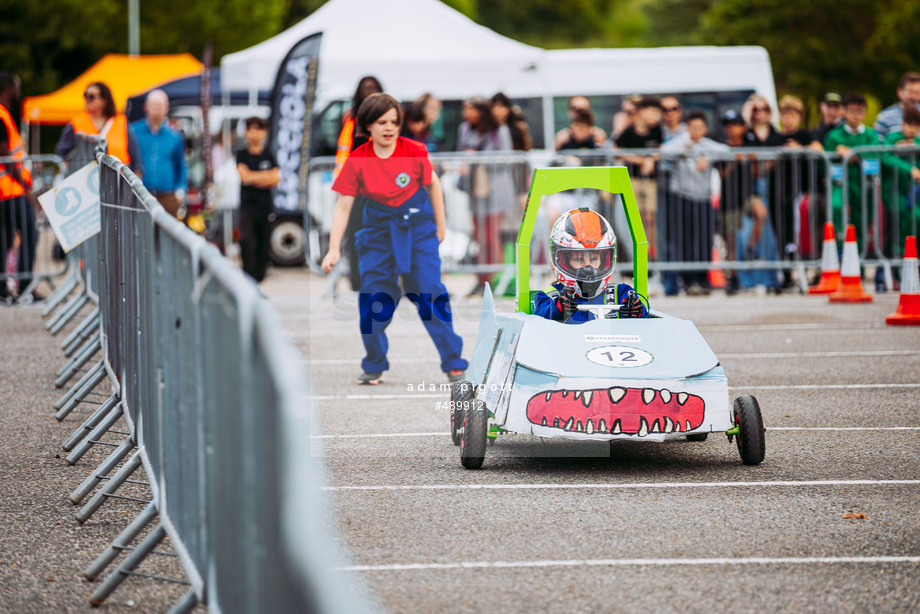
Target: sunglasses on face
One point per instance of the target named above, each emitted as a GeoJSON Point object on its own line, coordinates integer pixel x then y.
{"type": "Point", "coordinates": [669, 109]}
{"type": "Point", "coordinates": [90, 96]}
{"type": "Point", "coordinates": [762, 109]}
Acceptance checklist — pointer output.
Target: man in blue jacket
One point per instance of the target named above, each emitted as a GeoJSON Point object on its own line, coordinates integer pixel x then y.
{"type": "Point", "coordinates": [163, 153]}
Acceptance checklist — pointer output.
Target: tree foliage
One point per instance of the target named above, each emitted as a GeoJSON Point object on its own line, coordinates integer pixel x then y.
{"type": "Point", "coordinates": [814, 46]}
{"type": "Point", "coordinates": [49, 43]}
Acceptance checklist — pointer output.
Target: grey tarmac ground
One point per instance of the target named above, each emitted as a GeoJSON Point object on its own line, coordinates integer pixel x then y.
{"type": "Point", "coordinates": [545, 526]}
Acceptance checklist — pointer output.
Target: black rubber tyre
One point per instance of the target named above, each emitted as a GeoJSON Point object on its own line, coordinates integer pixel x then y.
{"type": "Point", "coordinates": [750, 437]}
{"type": "Point", "coordinates": [475, 431]}
{"type": "Point", "coordinates": [697, 437]}
{"type": "Point", "coordinates": [460, 395]}
{"type": "Point", "coordinates": [287, 241]}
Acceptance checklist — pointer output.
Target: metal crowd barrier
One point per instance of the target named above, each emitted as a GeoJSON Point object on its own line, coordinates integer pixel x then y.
{"type": "Point", "coordinates": [30, 254]}
{"type": "Point", "coordinates": [764, 219]}
{"type": "Point", "coordinates": [874, 188]}
{"type": "Point", "coordinates": [217, 407]}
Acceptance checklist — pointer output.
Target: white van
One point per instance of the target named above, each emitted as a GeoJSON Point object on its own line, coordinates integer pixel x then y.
{"type": "Point", "coordinates": [708, 79]}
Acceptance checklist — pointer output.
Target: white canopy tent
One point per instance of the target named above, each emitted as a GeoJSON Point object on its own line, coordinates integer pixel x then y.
{"type": "Point", "coordinates": [412, 46]}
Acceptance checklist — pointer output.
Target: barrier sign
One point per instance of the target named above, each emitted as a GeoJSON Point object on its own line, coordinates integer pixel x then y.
{"type": "Point", "coordinates": [73, 207]}
{"type": "Point", "coordinates": [871, 167]}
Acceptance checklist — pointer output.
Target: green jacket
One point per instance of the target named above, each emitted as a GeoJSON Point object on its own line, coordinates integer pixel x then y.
{"type": "Point", "coordinates": [840, 136]}
{"type": "Point", "coordinates": [900, 164]}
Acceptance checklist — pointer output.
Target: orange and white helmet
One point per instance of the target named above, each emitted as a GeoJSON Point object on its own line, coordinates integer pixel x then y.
{"type": "Point", "coordinates": [584, 251]}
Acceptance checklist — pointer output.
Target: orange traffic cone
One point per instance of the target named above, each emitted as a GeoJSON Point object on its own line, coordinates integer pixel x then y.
{"type": "Point", "coordinates": [909, 306]}
{"type": "Point", "coordinates": [850, 289]}
{"type": "Point", "coordinates": [830, 264]}
{"type": "Point", "coordinates": [716, 276]}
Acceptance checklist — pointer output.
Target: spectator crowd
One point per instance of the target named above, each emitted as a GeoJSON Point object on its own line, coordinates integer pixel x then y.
{"type": "Point", "coordinates": [698, 197]}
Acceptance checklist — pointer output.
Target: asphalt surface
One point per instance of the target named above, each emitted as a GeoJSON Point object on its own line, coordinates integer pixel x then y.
{"type": "Point", "coordinates": [828, 522]}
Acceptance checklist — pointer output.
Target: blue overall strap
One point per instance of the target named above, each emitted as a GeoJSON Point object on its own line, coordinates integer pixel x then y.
{"type": "Point", "coordinates": [400, 221]}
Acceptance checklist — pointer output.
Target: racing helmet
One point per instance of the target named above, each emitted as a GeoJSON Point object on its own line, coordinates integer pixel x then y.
{"type": "Point", "coordinates": [583, 249]}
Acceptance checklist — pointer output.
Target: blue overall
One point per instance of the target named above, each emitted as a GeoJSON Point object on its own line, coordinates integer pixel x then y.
{"type": "Point", "coordinates": [403, 242]}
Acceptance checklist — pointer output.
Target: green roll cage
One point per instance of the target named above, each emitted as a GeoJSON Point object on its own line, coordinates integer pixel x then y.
{"type": "Point", "coordinates": [546, 181]}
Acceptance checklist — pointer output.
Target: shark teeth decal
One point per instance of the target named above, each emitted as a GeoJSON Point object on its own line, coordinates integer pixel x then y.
{"type": "Point", "coordinates": [616, 394]}
{"type": "Point", "coordinates": [626, 411]}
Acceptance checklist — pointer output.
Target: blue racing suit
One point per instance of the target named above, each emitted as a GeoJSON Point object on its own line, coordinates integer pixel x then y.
{"type": "Point", "coordinates": [546, 304]}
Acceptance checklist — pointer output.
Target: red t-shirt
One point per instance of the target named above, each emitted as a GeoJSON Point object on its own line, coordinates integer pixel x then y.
{"type": "Point", "coordinates": [389, 181]}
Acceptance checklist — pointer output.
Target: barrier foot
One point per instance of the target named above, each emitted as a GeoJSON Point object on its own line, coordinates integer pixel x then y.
{"type": "Point", "coordinates": [69, 401]}
{"type": "Point", "coordinates": [98, 431]}
{"type": "Point", "coordinates": [102, 471]}
{"type": "Point", "coordinates": [147, 545]}
{"type": "Point", "coordinates": [90, 423]}
{"type": "Point", "coordinates": [111, 486]}
{"type": "Point", "coordinates": [80, 333]}
{"type": "Point", "coordinates": [66, 314]}
{"type": "Point", "coordinates": [60, 293]}
{"type": "Point", "coordinates": [79, 359]}
{"type": "Point", "coordinates": [803, 277]}
{"type": "Point", "coordinates": [121, 542]}
{"type": "Point", "coordinates": [186, 604]}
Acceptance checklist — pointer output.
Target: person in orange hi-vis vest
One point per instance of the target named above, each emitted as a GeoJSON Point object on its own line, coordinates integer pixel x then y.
{"type": "Point", "coordinates": [349, 140]}
{"type": "Point", "coordinates": [18, 236]}
{"type": "Point", "coordinates": [100, 117]}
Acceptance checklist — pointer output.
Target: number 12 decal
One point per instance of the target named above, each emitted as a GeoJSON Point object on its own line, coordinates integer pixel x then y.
{"type": "Point", "coordinates": [619, 356]}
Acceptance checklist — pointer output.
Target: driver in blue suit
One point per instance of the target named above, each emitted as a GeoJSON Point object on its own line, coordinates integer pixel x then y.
{"type": "Point", "coordinates": [584, 252]}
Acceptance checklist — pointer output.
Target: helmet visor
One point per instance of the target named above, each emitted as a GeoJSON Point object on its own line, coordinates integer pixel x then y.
{"type": "Point", "coordinates": [586, 264]}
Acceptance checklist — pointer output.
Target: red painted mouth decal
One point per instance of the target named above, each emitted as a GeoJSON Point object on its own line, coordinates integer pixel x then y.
{"type": "Point", "coordinates": [617, 410]}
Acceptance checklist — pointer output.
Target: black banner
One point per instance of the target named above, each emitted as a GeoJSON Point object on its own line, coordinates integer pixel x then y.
{"type": "Point", "coordinates": [290, 125]}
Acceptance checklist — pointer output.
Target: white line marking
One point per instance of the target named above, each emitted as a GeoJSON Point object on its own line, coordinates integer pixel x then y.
{"type": "Point", "coordinates": [840, 354]}
{"type": "Point", "coordinates": [823, 386]}
{"type": "Point", "coordinates": [769, 428]}
{"type": "Point", "coordinates": [843, 428]}
{"type": "Point", "coordinates": [627, 486]}
{"type": "Point", "coordinates": [801, 326]}
{"type": "Point", "coordinates": [445, 394]}
{"type": "Point", "coordinates": [835, 354]}
{"type": "Point", "coordinates": [444, 434]}
{"type": "Point", "coordinates": [826, 560]}
{"type": "Point", "coordinates": [357, 361]}
{"type": "Point", "coordinates": [364, 397]}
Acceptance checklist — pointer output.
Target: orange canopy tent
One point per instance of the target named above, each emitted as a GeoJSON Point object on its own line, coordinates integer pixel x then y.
{"type": "Point", "coordinates": [125, 75]}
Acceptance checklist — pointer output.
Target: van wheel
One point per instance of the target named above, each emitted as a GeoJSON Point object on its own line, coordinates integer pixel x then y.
{"type": "Point", "coordinates": [287, 243]}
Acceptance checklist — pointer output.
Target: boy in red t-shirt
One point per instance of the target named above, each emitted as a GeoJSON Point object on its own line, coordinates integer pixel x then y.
{"type": "Point", "coordinates": [403, 226]}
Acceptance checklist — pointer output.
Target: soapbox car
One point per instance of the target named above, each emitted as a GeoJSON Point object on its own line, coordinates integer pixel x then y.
{"type": "Point", "coordinates": [648, 379]}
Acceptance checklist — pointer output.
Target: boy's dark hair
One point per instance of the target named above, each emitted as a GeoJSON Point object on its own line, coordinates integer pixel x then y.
{"type": "Point", "coordinates": [258, 122]}
{"type": "Point", "coordinates": [909, 77]}
{"type": "Point", "coordinates": [649, 101]}
{"type": "Point", "coordinates": [696, 115]}
{"type": "Point", "coordinates": [854, 98]}
{"type": "Point", "coordinates": [583, 116]}
{"type": "Point", "coordinates": [911, 116]}
{"type": "Point", "coordinates": [373, 108]}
